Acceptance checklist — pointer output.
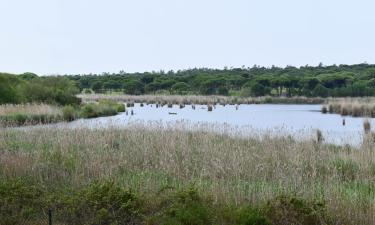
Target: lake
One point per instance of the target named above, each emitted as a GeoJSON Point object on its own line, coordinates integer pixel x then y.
{"type": "Point", "coordinates": [300, 121]}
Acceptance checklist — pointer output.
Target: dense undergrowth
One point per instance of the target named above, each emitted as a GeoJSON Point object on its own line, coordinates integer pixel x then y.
{"type": "Point", "coordinates": [105, 202]}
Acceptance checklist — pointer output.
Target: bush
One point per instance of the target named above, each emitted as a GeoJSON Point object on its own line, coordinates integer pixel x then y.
{"type": "Point", "coordinates": [251, 216]}
{"type": "Point", "coordinates": [103, 108]}
{"type": "Point", "coordinates": [292, 210]}
{"type": "Point", "coordinates": [19, 200]}
{"type": "Point", "coordinates": [88, 111]}
{"type": "Point", "coordinates": [185, 208]}
{"type": "Point", "coordinates": [69, 113]}
{"type": "Point", "coordinates": [105, 203]}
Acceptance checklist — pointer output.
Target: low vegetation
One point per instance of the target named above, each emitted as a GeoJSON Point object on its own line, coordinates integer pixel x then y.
{"type": "Point", "coordinates": [31, 114]}
{"type": "Point", "coordinates": [149, 174]}
{"type": "Point", "coordinates": [356, 107]}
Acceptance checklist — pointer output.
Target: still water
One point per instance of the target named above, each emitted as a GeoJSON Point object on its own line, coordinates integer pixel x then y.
{"type": "Point", "coordinates": [300, 121]}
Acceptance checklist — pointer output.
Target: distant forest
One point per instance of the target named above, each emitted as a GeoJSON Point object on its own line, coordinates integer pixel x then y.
{"type": "Point", "coordinates": [319, 81]}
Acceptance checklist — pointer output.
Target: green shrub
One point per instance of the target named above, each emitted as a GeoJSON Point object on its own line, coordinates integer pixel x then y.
{"type": "Point", "coordinates": [120, 107]}
{"type": "Point", "coordinates": [103, 108]}
{"type": "Point", "coordinates": [186, 208]}
{"type": "Point", "coordinates": [20, 200]}
{"type": "Point", "coordinates": [105, 203]}
{"type": "Point", "coordinates": [88, 111]}
{"type": "Point", "coordinates": [251, 216]}
{"type": "Point", "coordinates": [69, 113]}
{"type": "Point", "coordinates": [292, 210]}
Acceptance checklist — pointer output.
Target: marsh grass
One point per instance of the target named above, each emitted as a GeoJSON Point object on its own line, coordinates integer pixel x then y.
{"type": "Point", "coordinates": [356, 107]}
{"type": "Point", "coordinates": [201, 100]}
{"type": "Point", "coordinates": [17, 115]}
{"type": "Point", "coordinates": [32, 114]}
{"type": "Point", "coordinates": [226, 169]}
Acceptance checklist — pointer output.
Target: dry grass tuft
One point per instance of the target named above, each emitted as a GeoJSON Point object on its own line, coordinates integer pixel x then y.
{"type": "Point", "coordinates": [29, 109]}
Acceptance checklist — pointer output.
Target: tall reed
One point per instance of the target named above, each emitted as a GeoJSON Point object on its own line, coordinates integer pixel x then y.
{"type": "Point", "coordinates": [356, 107]}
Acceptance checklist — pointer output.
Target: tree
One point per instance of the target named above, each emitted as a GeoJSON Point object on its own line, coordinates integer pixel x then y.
{"type": "Point", "coordinates": [97, 86]}
{"type": "Point", "coordinates": [180, 88]}
{"type": "Point", "coordinates": [258, 89]}
{"type": "Point", "coordinates": [133, 87]}
{"type": "Point", "coordinates": [8, 92]}
{"type": "Point", "coordinates": [223, 91]}
{"type": "Point", "coordinates": [321, 91]}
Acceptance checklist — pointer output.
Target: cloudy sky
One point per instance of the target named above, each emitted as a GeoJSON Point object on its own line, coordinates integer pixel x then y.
{"type": "Point", "coordinates": [83, 36]}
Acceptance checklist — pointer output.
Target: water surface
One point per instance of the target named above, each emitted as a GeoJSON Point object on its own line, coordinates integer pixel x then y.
{"type": "Point", "coordinates": [300, 121]}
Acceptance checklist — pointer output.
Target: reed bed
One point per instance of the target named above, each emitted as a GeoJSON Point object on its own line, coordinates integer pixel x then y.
{"type": "Point", "coordinates": [30, 109]}
{"type": "Point", "coordinates": [29, 114]}
{"type": "Point", "coordinates": [32, 114]}
{"type": "Point", "coordinates": [231, 170]}
{"type": "Point", "coordinates": [356, 107]}
{"type": "Point", "coordinates": [201, 100]}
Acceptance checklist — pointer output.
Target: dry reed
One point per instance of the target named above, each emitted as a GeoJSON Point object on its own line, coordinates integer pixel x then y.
{"type": "Point", "coordinates": [201, 100]}
{"type": "Point", "coordinates": [29, 109]}
{"type": "Point", "coordinates": [356, 107]}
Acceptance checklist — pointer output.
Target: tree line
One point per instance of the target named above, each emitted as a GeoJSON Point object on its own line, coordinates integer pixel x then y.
{"type": "Point", "coordinates": [310, 81]}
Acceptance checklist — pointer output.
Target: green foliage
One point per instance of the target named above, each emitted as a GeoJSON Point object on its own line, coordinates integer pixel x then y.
{"type": "Point", "coordinates": [180, 88]}
{"type": "Point", "coordinates": [321, 91]}
{"type": "Point", "coordinates": [106, 203]}
{"type": "Point", "coordinates": [19, 199]}
{"type": "Point", "coordinates": [251, 216]}
{"type": "Point", "coordinates": [320, 81]}
{"type": "Point", "coordinates": [186, 208]}
{"type": "Point", "coordinates": [8, 91]}
{"type": "Point", "coordinates": [133, 87]}
{"type": "Point", "coordinates": [103, 108]}
{"type": "Point", "coordinates": [293, 210]}
{"type": "Point", "coordinates": [28, 87]}
{"type": "Point", "coordinates": [69, 113]}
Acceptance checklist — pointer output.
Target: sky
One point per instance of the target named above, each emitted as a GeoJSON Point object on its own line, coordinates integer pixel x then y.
{"type": "Point", "coordinates": [94, 36]}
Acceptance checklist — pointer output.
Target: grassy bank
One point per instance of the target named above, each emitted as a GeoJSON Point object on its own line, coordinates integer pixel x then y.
{"type": "Point", "coordinates": [170, 176]}
{"type": "Point", "coordinates": [202, 100]}
{"type": "Point", "coordinates": [29, 114]}
{"type": "Point", "coordinates": [356, 107]}
{"type": "Point", "coordinates": [32, 114]}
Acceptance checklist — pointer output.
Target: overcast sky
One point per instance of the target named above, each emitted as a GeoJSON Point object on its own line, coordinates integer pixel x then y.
{"type": "Point", "coordinates": [83, 36]}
